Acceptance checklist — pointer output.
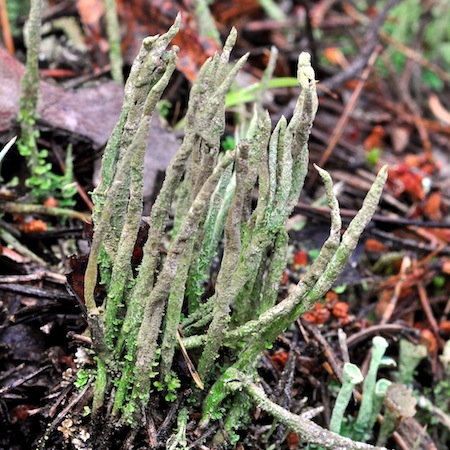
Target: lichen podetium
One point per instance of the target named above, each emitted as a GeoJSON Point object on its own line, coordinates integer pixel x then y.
{"type": "Point", "coordinates": [136, 329]}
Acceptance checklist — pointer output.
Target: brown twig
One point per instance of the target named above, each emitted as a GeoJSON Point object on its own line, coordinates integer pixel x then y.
{"type": "Point", "coordinates": [35, 292]}
{"type": "Point", "coordinates": [86, 392]}
{"type": "Point", "coordinates": [368, 49]}
{"type": "Point", "coordinates": [399, 46]}
{"type": "Point", "coordinates": [407, 117]}
{"type": "Point", "coordinates": [21, 380]}
{"type": "Point", "coordinates": [22, 208]}
{"type": "Point", "coordinates": [345, 115]}
{"type": "Point", "coordinates": [416, 115]}
{"type": "Point", "coordinates": [36, 276]}
{"type": "Point", "coordinates": [80, 338]}
{"type": "Point", "coordinates": [380, 330]}
{"type": "Point", "coordinates": [390, 307]}
{"type": "Point", "coordinates": [405, 243]}
{"type": "Point", "coordinates": [326, 349]}
{"type": "Point", "coordinates": [377, 218]}
{"type": "Point", "coordinates": [427, 309]}
{"type": "Point", "coordinates": [285, 385]}
{"type": "Point", "coordinates": [7, 36]}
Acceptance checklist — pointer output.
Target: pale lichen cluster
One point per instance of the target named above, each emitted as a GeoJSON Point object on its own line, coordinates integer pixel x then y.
{"type": "Point", "coordinates": [135, 330]}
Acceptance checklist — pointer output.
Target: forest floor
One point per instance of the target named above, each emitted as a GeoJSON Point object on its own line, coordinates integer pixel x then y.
{"type": "Point", "coordinates": [383, 99]}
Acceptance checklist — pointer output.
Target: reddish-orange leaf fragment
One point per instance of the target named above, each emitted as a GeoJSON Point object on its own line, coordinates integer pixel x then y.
{"type": "Point", "coordinates": [375, 246]}
{"type": "Point", "coordinates": [51, 202]}
{"type": "Point", "coordinates": [300, 259]}
{"type": "Point", "coordinates": [75, 278]}
{"type": "Point", "coordinates": [279, 359]}
{"type": "Point", "coordinates": [383, 302]}
{"type": "Point", "coordinates": [143, 18]}
{"type": "Point", "coordinates": [444, 327]}
{"type": "Point", "coordinates": [446, 266]}
{"type": "Point", "coordinates": [292, 440]}
{"type": "Point", "coordinates": [331, 298]}
{"type": "Point", "coordinates": [429, 339]}
{"type": "Point", "coordinates": [335, 56]}
{"type": "Point", "coordinates": [12, 254]}
{"type": "Point", "coordinates": [340, 310]}
{"type": "Point", "coordinates": [20, 413]}
{"type": "Point", "coordinates": [403, 179]}
{"type": "Point", "coordinates": [91, 11]}
{"type": "Point", "coordinates": [318, 315]}
{"type": "Point", "coordinates": [33, 226]}
{"type": "Point", "coordinates": [432, 207]}
{"type": "Point", "coordinates": [375, 138]}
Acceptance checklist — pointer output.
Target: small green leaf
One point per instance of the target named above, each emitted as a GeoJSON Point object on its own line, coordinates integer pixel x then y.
{"type": "Point", "coordinates": [82, 379]}
{"type": "Point", "coordinates": [439, 281]}
{"type": "Point", "coordinates": [373, 156]}
{"type": "Point", "coordinates": [170, 397]}
{"type": "Point", "coordinates": [340, 289]}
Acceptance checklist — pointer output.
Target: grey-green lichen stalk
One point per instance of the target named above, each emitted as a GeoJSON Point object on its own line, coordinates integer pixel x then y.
{"type": "Point", "coordinates": [308, 430]}
{"type": "Point", "coordinates": [136, 328]}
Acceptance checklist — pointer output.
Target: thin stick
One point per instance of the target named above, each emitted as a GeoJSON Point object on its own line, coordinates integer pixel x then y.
{"type": "Point", "coordinates": [7, 36]}
{"type": "Point", "coordinates": [387, 314]}
{"type": "Point", "coordinates": [427, 309]}
{"type": "Point", "coordinates": [22, 208]}
{"type": "Point", "coordinates": [346, 114]}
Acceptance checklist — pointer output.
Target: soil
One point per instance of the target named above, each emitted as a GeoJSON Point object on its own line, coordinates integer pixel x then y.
{"type": "Point", "coordinates": [371, 113]}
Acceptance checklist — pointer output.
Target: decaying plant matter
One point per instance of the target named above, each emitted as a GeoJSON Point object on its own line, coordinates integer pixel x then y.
{"type": "Point", "coordinates": [136, 328]}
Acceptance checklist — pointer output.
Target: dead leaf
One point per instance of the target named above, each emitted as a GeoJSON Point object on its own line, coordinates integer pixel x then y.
{"type": "Point", "coordinates": [405, 180]}
{"type": "Point", "coordinates": [33, 226]}
{"type": "Point", "coordinates": [318, 12]}
{"type": "Point", "coordinates": [12, 255]}
{"type": "Point", "coordinates": [446, 266]}
{"type": "Point", "coordinates": [444, 326]}
{"type": "Point", "coordinates": [89, 112]}
{"type": "Point", "coordinates": [91, 11]}
{"type": "Point", "coordinates": [432, 207]}
{"type": "Point", "coordinates": [233, 11]}
{"type": "Point", "coordinates": [300, 259]}
{"type": "Point", "coordinates": [51, 202]}
{"type": "Point", "coordinates": [292, 440]}
{"type": "Point", "coordinates": [279, 359]}
{"type": "Point", "coordinates": [441, 234]}
{"type": "Point", "coordinates": [340, 310]}
{"type": "Point", "coordinates": [429, 340]}
{"type": "Point", "coordinates": [142, 18]}
{"type": "Point", "coordinates": [375, 246]}
{"type": "Point", "coordinates": [335, 56]}
{"type": "Point", "coordinates": [400, 137]}
{"type": "Point", "coordinates": [375, 138]}
{"type": "Point", "coordinates": [318, 315]}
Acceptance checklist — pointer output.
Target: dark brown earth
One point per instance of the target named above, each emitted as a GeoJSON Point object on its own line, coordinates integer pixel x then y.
{"type": "Point", "coordinates": [377, 106]}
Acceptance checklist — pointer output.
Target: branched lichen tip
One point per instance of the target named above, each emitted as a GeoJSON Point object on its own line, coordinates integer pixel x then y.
{"type": "Point", "coordinates": [304, 59]}
{"type": "Point", "coordinates": [383, 172]}
{"type": "Point", "coordinates": [305, 72]}
{"type": "Point", "coordinates": [231, 40]}
{"type": "Point", "coordinates": [177, 23]}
